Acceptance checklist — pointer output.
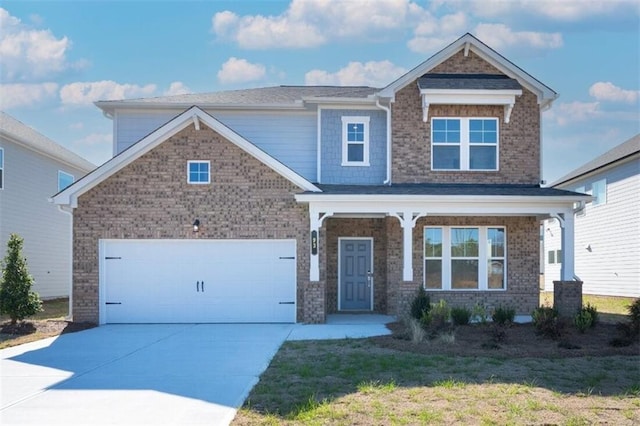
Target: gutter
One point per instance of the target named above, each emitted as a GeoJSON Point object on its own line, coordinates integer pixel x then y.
{"type": "Point", "coordinates": [387, 181]}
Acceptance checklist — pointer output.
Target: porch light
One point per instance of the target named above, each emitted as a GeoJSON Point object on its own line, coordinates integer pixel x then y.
{"type": "Point", "coordinates": [196, 225]}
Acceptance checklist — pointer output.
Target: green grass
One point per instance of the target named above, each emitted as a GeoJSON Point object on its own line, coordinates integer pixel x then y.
{"type": "Point", "coordinates": [52, 309]}
{"type": "Point", "coordinates": [610, 308]}
{"type": "Point", "coordinates": [330, 382]}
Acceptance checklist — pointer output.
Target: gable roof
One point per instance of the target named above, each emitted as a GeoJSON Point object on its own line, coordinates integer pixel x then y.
{"type": "Point", "coordinates": [192, 116]}
{"type": "Point", "coordinates": [263, 97]}
{"type": "Point", "coordinates": [468, 42]}
{"type": "Point", "coordinates": [468, 81]}
{"type": "Point", "coordinates": [24, 135]}
{"type": "Point", "coordinates": [619, 153]}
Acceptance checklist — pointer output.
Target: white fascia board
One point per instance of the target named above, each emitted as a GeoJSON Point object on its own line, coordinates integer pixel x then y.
{"type": "Point", "coordinates": [339, 101]}
{"type": "Point", "coordinates": [70, 195]}
{"type": "Point", "coordinates": [108, 107]}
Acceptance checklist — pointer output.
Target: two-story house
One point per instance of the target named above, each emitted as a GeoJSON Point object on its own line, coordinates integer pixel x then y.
{"type": "Point", "coordinates": [285, 204]}
{"type": "Point", "coordinates": [607, 227]}
{"type": "Point", "coordinates": [32, 167]}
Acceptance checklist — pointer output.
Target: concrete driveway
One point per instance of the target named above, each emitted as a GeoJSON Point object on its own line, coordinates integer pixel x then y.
{"type": "Point", "coordinates": [148, 374]}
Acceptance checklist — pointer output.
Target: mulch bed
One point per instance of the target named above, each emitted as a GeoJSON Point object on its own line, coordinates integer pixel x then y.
{"type": "Point", "coordinates": [43, 328]}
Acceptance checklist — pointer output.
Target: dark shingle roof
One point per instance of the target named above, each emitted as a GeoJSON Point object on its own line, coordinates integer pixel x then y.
{"type": "Point", "coordinates": [625, 149]}
{"type": "Point", "coordinates": [468, 82]}
{"type": "Point", "coordinates": [444, 189]}
{"type": "Point", "coordinates": [276, 95]}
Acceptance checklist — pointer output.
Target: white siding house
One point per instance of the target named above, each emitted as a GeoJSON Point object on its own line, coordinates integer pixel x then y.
{"type": "Point", "coordinates": [33, 168]}
{"type": "Point", "coordinates": [607, 229]}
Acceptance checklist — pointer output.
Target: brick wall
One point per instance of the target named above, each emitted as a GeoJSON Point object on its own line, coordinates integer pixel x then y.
{"type": "Point", "coordinates": [522, 265]}
{"type": "Point", "coordinates": [519, 141]}
{"type": "Point", "coordinates": [150, 199]}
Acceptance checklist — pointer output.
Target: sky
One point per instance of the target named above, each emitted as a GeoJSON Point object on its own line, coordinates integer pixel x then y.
{"type": "Point", "coordinates": [58, 57]}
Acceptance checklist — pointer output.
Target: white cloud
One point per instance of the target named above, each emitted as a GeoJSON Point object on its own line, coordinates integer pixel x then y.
{"type": "Point", "coordinates": [177, 88]}
{"type": "Point", "coordinates": [25, 95]}
{"type": "Point", "coordinates": [240, 71]}
{"type": "Point", "coordinates": [376, 74]}
{"type": "Point", "coordinates": [95, 147]}
{"type": "Point", "coordinates": [432, 33]}
{"type": "Point", "coordinates": [499, 36]}
{"type": "Point", "coordinates": [309, 23]}
{"type": "Point", "coordinates": [29, 53]}
{"type": "Point", "coordinates": [85, 93]}
{"type": "Point", "coordinates": [574, 112]}
{"type": "Point", "coordinates": [607, 91]}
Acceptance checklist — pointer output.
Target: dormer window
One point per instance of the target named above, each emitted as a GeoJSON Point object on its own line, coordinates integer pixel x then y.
{"type": "Point", "coordinates": [355, 141]}
{"type": "Point", "coordinates": [463, 143]}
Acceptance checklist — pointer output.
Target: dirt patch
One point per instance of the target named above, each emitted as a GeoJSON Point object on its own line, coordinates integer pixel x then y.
{"type": "Point", "coordinates": [29, 331]}
{"type": "Point", "coordinates": [517, 340]}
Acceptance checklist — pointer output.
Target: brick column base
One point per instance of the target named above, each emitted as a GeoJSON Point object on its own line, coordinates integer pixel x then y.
{"type": "Point", "coordinates": [567, 297]}
{"type": "Point", "coordinates": [314, 302]}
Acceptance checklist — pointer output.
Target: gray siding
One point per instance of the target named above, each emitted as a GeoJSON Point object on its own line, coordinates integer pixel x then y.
{"type": "Point", "coordinates": [29, 180]}
{"type": "Point", "coordinates": [607, 236]}
{"type": "Point", "coordinates": [332, 171]}
{"type": "Point", "coordinates": [289, 137]}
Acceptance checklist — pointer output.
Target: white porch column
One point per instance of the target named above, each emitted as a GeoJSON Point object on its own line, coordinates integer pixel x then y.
{"type": "Point", "coordinates": [315, 221]}
{"type": "Point", "coordinates": [567, 232]}
{"type": "Point", "coordinates": [408, 222]}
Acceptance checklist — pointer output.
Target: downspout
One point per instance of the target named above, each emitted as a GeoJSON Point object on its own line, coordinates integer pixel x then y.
{"type": "Point", "coordinates": [387, 181]}
{"type": "Point", "coordinates": [69, 211]}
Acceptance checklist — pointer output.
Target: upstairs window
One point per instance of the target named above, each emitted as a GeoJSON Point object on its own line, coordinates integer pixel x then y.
{"type": "Point", "coordinates": [64, 180]}
{"type": "Point", "coordinates": [355, 141]}
{"type": "Point", "coordinates": [1, 168]}
{"type": "Point", "coordinates": [198, 172]}
{"type": "Point", "coordinates": [464, 144]}
{"type": "Point", "coordinates": [599, 192]}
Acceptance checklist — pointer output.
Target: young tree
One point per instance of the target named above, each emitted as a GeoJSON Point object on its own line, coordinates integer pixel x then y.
{"type": "Point", "coordinates": [16, 298]}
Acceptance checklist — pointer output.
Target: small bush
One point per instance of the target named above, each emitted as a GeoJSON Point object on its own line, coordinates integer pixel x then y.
{"type": "Point", "coordinates": [460, 315]}
{"type": "Point", "coordinates": [594, 313]}
{"type": "Point", "coordinates": [438, 315]}
{"type": "Point", "coordinates": [416, 332]}
{"type": "Point", "coordinates": [479, 313]}
{"type": "Point", "coordinates": [504, 315]}
{"type": "Point", "coordinates": [583, 320]}
{"type": "Point", "coordinates": [634, 316]}
{"type": "Point", "coordinates": [545, 320]}
{"type": "Point", "coordinates": [420, 304]}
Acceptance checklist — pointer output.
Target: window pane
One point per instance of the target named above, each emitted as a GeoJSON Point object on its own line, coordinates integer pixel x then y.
{"type": "Point", "coordinates": [464, 242]}
{"type": "Point", "coordinates": [453, 125]}
{"type": "Point", "coordinates": [193, 167]}
{"type": "Point", "coordinates": [355, 132]}
{"type": "Point", "coordinates": [464, 274]}
{"type": "Point", "coordinates": [439, 124]}
{"type": "Point", "coordinates": [495, 240]}
{"type": "Point", "coordinates": [1, 158]}
{"type": "Point", "coordinates": [483, 131]}
{"type": "Point", "coordinates": [558, 256]}
{"type": "Point", "coordinates": [355, 152]}
{"type": "Point", "coordinates": [551, 257]}
{"type": "Point", "coordinates": [453, 137]}
{"type": "Point", "coordinates": [599, 192]}
{"type": "Point", "coordinates": [439, 137]}
{"type": "Point", "coordinates": [482, 158]}
{"type": "Point", "coordinates": [433, 273]}
{"type": "Point", "coordinates": [446, 157]}
{"type": "Point", "coordinates": [433, 242]}
{"type": "Point", "coordinates": [198, 172]}
{"type": "Point", "coordinates": [496, 274]}
{"type": "Point", "coordinates": [446, 131]}
{"type": "Point", "coordinates": [475, 125]}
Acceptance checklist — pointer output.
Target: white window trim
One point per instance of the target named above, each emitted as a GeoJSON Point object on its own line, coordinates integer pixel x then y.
{"type": "Point", "coordinates": [189, 162]}
{"type": "Point", "coordinates": [484, 256]}
{"type": "Point", "coordinates": [2, 168]}
{"type": "Point", "coordinates": [63, 173]}
{"type": "Point", "coordinates": [346, 120]}
{"type": "Point", "coordinates": [465, 145]}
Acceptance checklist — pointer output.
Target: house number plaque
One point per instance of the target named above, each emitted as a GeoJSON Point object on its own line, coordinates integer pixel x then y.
{"type": "Point", "coordinates": [314, 242]}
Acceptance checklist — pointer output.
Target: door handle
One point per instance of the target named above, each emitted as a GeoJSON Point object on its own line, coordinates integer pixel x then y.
{"type": "Point", "coordinates": [369, 276]}
{"type": "Point", "coordinates": [203, 286]}
{"type": "Point", "coordinates": [198, 286]}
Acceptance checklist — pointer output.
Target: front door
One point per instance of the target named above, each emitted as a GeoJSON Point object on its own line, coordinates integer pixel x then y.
{"type": "Point", "coordinates": [356, 274]}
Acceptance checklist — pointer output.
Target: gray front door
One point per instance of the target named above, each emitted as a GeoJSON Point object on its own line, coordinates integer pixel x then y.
{"type": "Point", "coordinates": [355, 275]}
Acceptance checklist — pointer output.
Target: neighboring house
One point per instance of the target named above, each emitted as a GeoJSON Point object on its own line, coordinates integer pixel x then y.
{"type": "Point", "coordinates": [32, 169]}
{"type": "Point", "coordinates": [607, 228]}
{"type": "Point", "coordinates": [286, 204]}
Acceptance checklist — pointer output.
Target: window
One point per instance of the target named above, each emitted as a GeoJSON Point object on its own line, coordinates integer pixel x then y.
{"type": "Point", "coordinates": [599, 192]}
{"type": "Point", "coordinates": [355, 141]}
{"type": "Point", "coordinates": [464, 143]}
{"type": "Point", "coordinates": [64, 180]}
{"type": "Point", "coordinates": [558, 256]}
{"type": "Point", "coordinates": [1, 168]}
{"type": "Point", "coordinates": [551, 257]}
{"type": "Point", "coordinates": [198, 172]}
{"type": "Point", "coordinates": [464, 258]}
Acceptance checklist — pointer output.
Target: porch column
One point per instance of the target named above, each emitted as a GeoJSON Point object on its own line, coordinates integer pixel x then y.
{"type": "Point", "coordinates": [408, 221]}
{"type": "Point", "coordinates": [315, 219]}
{"type": "Point", "coordinates": [567, 232]}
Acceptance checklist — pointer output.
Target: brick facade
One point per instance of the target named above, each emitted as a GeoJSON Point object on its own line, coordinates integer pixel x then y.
{"type": "Point", "coordinates": [150, 199]}
{"type": "Point", "coordinates": [519, 140]}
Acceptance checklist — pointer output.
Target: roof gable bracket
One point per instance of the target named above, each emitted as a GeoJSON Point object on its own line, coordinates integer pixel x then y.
{"type": "Point", "coordinates": [196, 121]}
{"type": "Point", "coordinates": [507, 98]}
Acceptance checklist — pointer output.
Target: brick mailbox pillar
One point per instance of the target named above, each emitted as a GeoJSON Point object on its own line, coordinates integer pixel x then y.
{"type": "Point", "coordinates": [567, 297]}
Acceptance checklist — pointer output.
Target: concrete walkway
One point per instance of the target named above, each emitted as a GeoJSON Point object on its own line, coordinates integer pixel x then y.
{"type": "Point", "coordinates": [184, 374]}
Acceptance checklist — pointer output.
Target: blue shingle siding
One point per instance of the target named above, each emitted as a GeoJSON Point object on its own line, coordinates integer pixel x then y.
{"type": "Point", "coordinates": [332, 171]}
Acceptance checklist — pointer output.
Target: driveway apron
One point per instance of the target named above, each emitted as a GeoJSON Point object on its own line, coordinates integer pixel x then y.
{"type": "Point", "coordinates": [137, 374]}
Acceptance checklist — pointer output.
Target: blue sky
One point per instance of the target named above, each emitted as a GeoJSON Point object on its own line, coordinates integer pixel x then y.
{"type": "Point", "coordinates": [57, 58]}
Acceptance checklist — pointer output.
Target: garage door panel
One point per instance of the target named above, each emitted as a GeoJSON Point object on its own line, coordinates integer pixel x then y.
{"type": "Point", "coordinates": [198, 281]}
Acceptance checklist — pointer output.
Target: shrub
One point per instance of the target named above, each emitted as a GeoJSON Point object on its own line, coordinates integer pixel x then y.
{"type": "Point", "coordinates": [503, 315]}
{"type": "Point", "coordinates": [634, 316]}
{"type": "Point", "coordinates": [435, 321]}
{"type": "Point", "coordinates": [628, 331]}
{"type": "Point", "coordinates": [479, 313]}
{"type": "Point", "coordinates": [420, 304]}
{"type": "Point", "coordinates": [16, 298]}
{"type": "Point", "coordinates": [416, 332]}
{"type": "Point", "coordinates": [594, 313]}
{"type": "Point", "coordinates": [545, 320]}
{"type": "Point", "coordinates": [583, 320]}
{"type": "Point", "coordinates": [460, 315]}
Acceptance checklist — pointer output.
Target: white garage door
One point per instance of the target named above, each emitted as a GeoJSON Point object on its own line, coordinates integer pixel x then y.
{"type": "Point", "coordinates": [184, 281]}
